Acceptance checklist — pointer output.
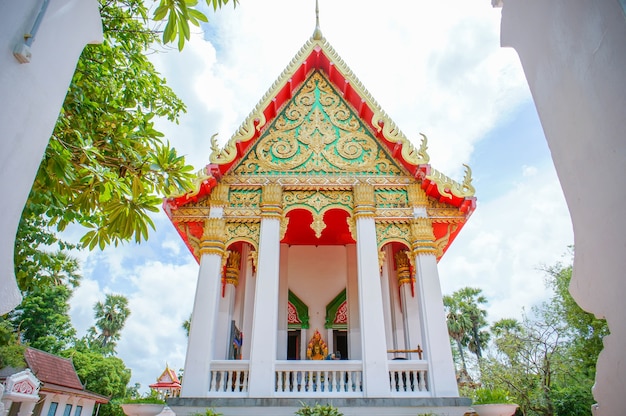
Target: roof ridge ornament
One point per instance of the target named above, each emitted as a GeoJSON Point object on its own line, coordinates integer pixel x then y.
{"type": "Point", "coordinates": [317, 34]}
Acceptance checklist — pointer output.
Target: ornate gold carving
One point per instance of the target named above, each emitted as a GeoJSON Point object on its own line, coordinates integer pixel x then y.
{"type": "Point", "coordinates": [232, 268]}
{"type": "Point", "coordinates": [193, 241]}
{"type": "Point", "coordinates": [190, 213]}
{"type": "Point", "coordinates": [417, 196]}
{"type": "Point", "coordinates": [388, 232]}
{"type": "Point", "coordinates": [316, 182]}
{"type": "Point", "coordinates": [244, 197]}
{"type": "Point", "coordinates": [284, 224]}
{"type": "Point", "coordinates": [391, 198]}
{"type": "Point", "coordinates": [364, 202]}
{"type": "Point", "coordinates": [254, 258]}
{"type": "Point", "coordinates": [213, 236]}
{"type": "Point", "coordinates": [382, 254]}
{"type": "Point", "coordinates": [448, 187]}
{"type": "Point", "coordinates": [352, 227]}
{"type": "Point", "coordinates": [423, 238]}
{"type": "Point", "coordinates": [403, 269]}
{"type": "Point", "coordinates": [271, 205]}
{"type": "Point", "coordinates": [243, 231]}
{"type": "Point", "coordinates": [317, 133]}
{"type": "Point", "coordinates": [442, 242]}
{"type": "Point", "coordinates": [219, 195]}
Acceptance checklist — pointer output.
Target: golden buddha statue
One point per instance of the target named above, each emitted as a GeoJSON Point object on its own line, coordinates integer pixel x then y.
{"type": "Point", "coordinates": [316, 349]}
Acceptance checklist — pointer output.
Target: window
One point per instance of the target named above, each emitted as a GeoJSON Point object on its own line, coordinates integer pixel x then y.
{"type": "Point", "coordinates": [68, 410]}
{"type": "Point", "coordinates": [78, 411]}
{"type": "Point", "coordinates": [53, 408]}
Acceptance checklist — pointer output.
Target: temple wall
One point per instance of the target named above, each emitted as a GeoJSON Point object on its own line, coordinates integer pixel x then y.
{"type": "Point", "coordinates": [574, 53]}
{"type": "Point", "coordinates": [316, 275]}
{"type": "Point", "coordinates": [32, 95]}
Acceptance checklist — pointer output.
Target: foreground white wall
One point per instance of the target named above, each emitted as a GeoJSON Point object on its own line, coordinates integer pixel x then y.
{"type": "Point", "coordinates": [574, 57]}
{"type": "Point", "coordinates": [31, 96]}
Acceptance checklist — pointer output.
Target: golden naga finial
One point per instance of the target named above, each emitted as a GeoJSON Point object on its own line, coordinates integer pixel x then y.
{"type": "Point", "coordinates": [466, 186]}
{"type": "Point", "coordinates": [215, 148]}
{"type": "Point", "coordinates": [317, 34]}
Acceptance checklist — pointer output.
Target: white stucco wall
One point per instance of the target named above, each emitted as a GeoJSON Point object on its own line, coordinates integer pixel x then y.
{"type": "Point", "coordinates": [316, 275]}
{"type": "Point", "coordinates": [31, 97]}
{"type": "Point", "coordinates": [574, 56]}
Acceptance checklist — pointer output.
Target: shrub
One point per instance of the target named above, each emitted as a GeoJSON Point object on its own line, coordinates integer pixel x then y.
{"type": "Point", "coordinates": [491, 396]}
{"type": "Point", "coordinates": [318, 410]}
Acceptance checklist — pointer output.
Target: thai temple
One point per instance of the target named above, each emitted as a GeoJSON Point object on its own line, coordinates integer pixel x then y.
{"type": "Point", "coordinates": [318, 228]}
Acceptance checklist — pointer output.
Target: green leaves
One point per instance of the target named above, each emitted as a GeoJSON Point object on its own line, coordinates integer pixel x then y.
{"type": "Point", "coordinates": [107, 167]}
{"type": "Point", "coordinates": [179, 13]}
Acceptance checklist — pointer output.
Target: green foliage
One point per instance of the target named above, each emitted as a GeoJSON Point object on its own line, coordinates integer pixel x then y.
{"type": "Point", "coordinates": [103, 375]}
{"type": "Point", "coordinates": [11, 352]}
{"type": "Point", "coordinates": [207, 412]}
{"type": "Point", "coordinates": [318, 410]}
{"type": "Point", "coordinates": [547, 360]}
{"type": "Point", "coordinates": [106, 166]}
{"type": "Point", "coordinates": [42, 319]}
{"type": "Point", "coordinates": [465, 320]}
{"type": "Point", "coordinates": [110, 317]}
{"type": "Point", "coordinates": [491, 396]}
{"type": "Point", "coordinates": [179, 13]}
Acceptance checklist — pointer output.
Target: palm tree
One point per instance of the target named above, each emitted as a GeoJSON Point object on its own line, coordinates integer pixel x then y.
{"type": "Point", "coordinates": [458, 326]}
{"type": "Point", "coordinates": [469, 299]}
{"type": "Point", "coordinates": [110, 317]}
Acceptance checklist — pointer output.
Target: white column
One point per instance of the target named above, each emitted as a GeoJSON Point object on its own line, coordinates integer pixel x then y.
{"type": "Point", "coordinates": [203, 319]}
{"type": "Point", "coordinates": [226, 307]}
{"type": "Point", "coordinates": [410, 305]}
{"type": "Point", "coordinates": [375, 370]}
{"type": "Point", "coordinates": [436, 341]}
{"type": "Point", "coordinates": [352, 296]}
{"type": "Point", "coordinates": [283, 298]}
{"type": "Point", "coordinates": [387, 303]}
{"type": "Point", "coordinates": [248, 303]}
{"type": "Point", "coordinates": [265, 324]}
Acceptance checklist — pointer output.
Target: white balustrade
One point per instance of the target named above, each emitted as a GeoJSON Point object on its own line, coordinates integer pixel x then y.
{"type": "Point", "coordinates": [229, 378]}
{"type": "Point", "coordinates": [408, 378]}
{"type": "Point", "coordinates": [334, 378]}
{"type": "Point", "coordinates": [325, 378]}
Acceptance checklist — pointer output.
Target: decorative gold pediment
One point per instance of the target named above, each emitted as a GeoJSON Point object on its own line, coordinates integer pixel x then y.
{"type": "Point", "coordinates": [317, 133]}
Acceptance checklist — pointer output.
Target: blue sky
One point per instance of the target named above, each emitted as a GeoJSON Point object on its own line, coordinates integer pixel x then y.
{"type": "Point", "coordinates": [435, 68]}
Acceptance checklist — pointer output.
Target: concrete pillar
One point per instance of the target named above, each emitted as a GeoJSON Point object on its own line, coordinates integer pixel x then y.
{"type": "Point", "coordinates": [248, 302]}
{"type": "Point", "coordinates": [410, 304]}
{"type": "Point", "coordinates": [265, 326]}
{"type": "Point", "coordinates": [436, 341]}
{"type": "Point", "coordinates": [352, 296]}
{"type": "Point", "coordinates": [375, 370]}
{"type": "Point", "coordinates": [226, 307]}
{"type": "Point", "coordinates": [200, 348]}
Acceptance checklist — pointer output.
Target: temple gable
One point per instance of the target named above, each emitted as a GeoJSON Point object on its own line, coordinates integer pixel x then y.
{"type": "Point", "coordinates": [317, 133]}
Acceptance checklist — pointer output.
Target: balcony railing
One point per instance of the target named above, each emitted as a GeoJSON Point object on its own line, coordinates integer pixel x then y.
{"type": "Point", "coordinates": [408, 378]}
{"type": "Point", "coordinates": [326, 378]}
{"type": "Point", "coordinates": [334, 378]}
{"type": "Point", "coordinates": [229, 378]}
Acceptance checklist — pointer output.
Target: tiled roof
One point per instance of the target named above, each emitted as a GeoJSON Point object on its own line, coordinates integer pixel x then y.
{"type": "Point", "coordinates": [52, 369]}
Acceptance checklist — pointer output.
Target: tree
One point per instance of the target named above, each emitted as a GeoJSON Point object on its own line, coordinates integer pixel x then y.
{"type": "Point", "coordinates": [110, 317]}
{"type": "Point", "coordinates": [547, 361]}
{"type": "Point", "coordinates": [466, 320]}
{"type": "Point", "coordinates": [42, 319]}
{"type": "Point", "coordinates": [179, 13]}
{"type": "Point", "coordinates": [106, 166]}
{"type": "Point", "coordinates": [458, 325]}
{"type": "Point", "coordinates": [104, 375]}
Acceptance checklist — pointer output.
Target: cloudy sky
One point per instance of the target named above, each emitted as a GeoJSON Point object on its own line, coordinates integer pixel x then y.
{"type": "Point", "coordinates": [435, 68]}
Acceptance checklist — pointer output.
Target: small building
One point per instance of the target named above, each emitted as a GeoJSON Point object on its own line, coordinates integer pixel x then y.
{"type": "Point", "coordinates": [167, 385]}
{"type": "Point", "coordinates": [47, 386]}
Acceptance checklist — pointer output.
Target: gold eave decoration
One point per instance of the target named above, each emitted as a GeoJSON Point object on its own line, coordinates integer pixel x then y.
{"type": "Point", "coordinates": [257, 119]}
